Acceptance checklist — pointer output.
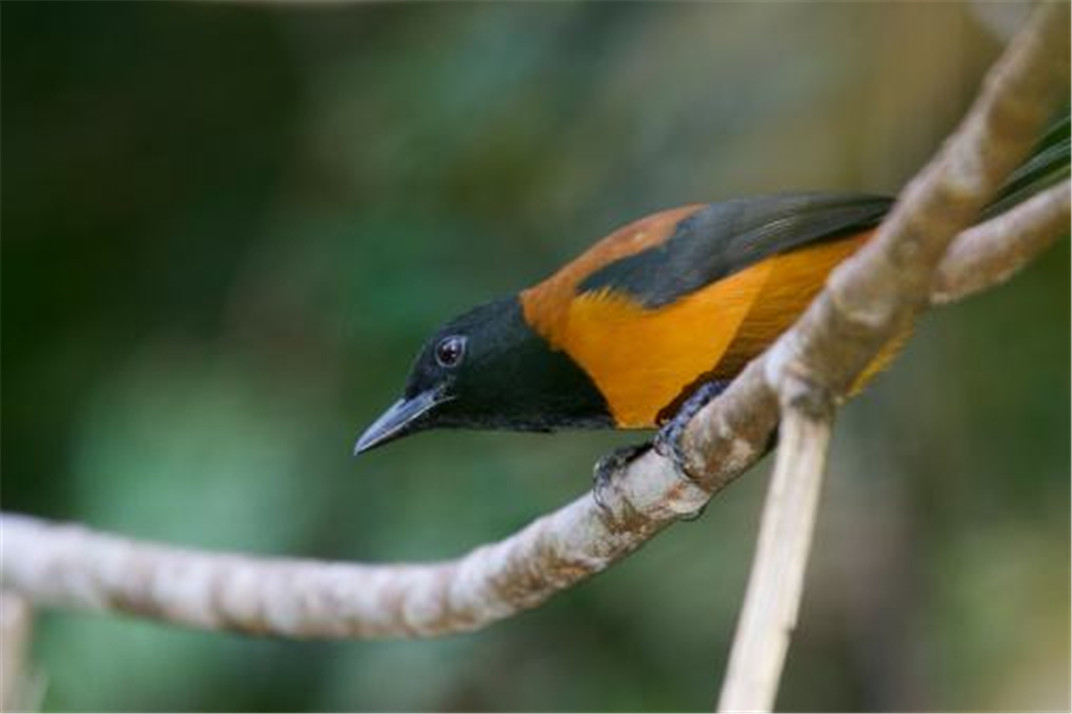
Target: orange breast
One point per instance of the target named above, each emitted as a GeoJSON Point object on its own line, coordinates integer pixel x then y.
{"type": "Point", "coordinates": [643, 359]}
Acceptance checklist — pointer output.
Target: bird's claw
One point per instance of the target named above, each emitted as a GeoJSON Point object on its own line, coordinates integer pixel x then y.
{"type": "Point", "coordinates": [667, 441]}
{"type": "Point", "coordinates": [667, 444]}
{"type": "Point", "coordinates": [608, 466]}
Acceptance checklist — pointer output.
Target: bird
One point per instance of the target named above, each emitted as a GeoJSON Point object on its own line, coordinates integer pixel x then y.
{"type": "Point", "coordinates": [654, 320]}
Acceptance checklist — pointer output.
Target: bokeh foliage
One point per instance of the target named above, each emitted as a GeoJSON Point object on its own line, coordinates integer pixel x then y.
{"type": "Point", "coordinates": [227, 228]}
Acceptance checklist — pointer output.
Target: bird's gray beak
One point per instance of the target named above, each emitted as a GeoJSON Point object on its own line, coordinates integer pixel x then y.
{"type": "Point", "coordinates": [399, 420]}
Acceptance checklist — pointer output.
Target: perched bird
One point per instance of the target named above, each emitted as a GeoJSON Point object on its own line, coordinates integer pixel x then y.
{"type": "Point", "coordinates": [653, 319]}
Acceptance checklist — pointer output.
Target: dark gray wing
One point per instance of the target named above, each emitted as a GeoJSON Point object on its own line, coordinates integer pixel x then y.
{"type": "Point", "coordinates": [722, 238]}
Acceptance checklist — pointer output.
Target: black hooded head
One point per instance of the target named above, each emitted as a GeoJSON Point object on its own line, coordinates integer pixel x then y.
{"type": "Point", "coordinates": [487, 369]}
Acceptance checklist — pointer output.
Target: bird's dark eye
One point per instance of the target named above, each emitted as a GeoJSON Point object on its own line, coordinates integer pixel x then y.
{"type": "Point", "coordinates": [450, 350]}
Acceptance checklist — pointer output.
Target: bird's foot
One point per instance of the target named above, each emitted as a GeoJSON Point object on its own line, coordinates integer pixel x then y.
{"type": "Point", "coordinates": [668, 441]}
{"type": "Point", "coordinates": [608, 466]}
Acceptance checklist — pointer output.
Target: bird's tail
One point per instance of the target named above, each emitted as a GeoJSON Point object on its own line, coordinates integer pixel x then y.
{"type": "Point", "coordinates": [1047, 165]}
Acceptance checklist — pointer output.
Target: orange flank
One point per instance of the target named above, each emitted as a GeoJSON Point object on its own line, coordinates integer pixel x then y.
{"type": "Point", "coordinates": [641, 359]}
{"type": "Point", "coordinates": [797, 277]}
{"type": "Point", "coordinates": [644, 359]}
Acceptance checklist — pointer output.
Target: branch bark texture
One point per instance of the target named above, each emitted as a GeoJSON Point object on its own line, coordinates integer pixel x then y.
{"type": "Point", "coordinates": [989, 254]}
{"type": "Point", "coordinates": [867, 300]}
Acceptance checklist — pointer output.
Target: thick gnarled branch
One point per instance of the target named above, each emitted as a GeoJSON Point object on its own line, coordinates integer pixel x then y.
{"type": "Point", "coordinates": [883, 285]}
{"type": "Point", "coordinates": [989, 254]}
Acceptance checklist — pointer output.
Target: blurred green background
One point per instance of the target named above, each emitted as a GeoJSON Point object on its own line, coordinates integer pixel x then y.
{"type": "Point", "coordinates": [227, 228]}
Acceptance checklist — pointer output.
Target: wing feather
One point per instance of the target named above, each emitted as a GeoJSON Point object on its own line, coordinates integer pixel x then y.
{"type": "Point", "coordinates": [721, 239]}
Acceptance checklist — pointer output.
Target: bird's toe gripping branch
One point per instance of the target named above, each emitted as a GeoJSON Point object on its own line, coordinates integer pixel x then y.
{"type": "Point", "coordinates": [609, 465]}
{"type": "Point", "coordinates": [667, 443]}
{"type": "Point", "coordinates": [668, 440]}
